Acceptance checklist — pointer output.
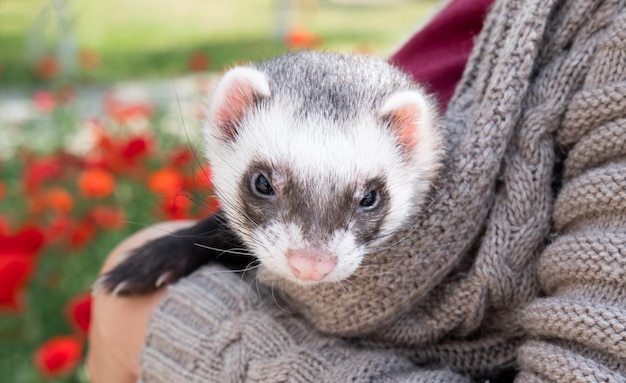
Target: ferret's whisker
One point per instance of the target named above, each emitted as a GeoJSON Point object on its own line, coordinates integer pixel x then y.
{"type": "Point", "coordinates": [227, 251]}
{"type": "Point", "coordinates": [278, 304]}
{"type": "Point", "coordinates": [343, 287]}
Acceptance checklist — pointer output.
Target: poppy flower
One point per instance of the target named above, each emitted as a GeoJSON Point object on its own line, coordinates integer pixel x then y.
{"type": "Point", "coordinates": [39, 171]}
{"type": "Point", "coordinates": [300, 38]}
{"type": "Point", "coordinates": [78, 312]}
{"type": "Point", "coordinates": [105, 152]}
{"type": "Point", "coordinates": [134, 149]}
{"type": "Point", "coordinates": [117, 155]}
{"type": "Point", "coordinates": [166, 181]}
{"type": "Point", "coordinates": [55, 198]}
{"type": "Point", "coordinates": [82, 233]}
{"type": "Point", "coordinates": [26, 242]}
{"type": "Point", "coordinates": [202, 178]}
{"type": "Point", "coordinates": [15, 271]}
{"type": "Point", "coordinates": [181, 157]}
{"type": "Point", "coordinates": [17, 257]}
{"type": "Point", "coordinates": [96, 183]}
{"type": "Point", "coordinates": [58, 356]}
{"type": "Point", "coordinates": [58, 228]}
{"type": "Point", "coordinates": [44, 101]}
{"type": "Point", "coordinates": [106, 217]}
{"type": "Point", "coordinates": [175, 207]}
{"type": "Point", "coordinates": [198, 62]}
{"type": "Point", "coordinates": [60, 199]}
{"type": "Point", "coordinates": [47, 67]}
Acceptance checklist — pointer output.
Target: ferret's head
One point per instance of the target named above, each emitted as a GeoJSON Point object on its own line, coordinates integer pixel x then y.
{"type": "Point", "coordinates": [318, 158]}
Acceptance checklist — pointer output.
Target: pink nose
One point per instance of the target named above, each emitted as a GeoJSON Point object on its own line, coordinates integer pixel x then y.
{"type": "Point", "coordinates": [310, 266]}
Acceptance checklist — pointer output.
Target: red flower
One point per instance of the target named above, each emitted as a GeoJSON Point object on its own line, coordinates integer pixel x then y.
{"type": "Point", "coordinates": [60, 199]}
{"type": "Point", "coordinates": [106, 217]}
{"type": "Point", "coordinates": [58, 356]}
{"type": "Point", "coordinates": [82, 233]}
{"type": "Point", "coordinates": [165, 181]}
{"type": "Point", "coordinates": [199, 62]}
{"type": "Point", "coordinates": [47, 67]}
{"type": "Point", "coordinates": [26, 242]}
{"type": "Point", "coordinates": [300, 38]}
{"type": "Point", "coordinates": [202, 178]}
{"type": "Point", "coordinates": [78, 312]}
{"type": "Point", "coordinates": [17, 258]}
{"type": "Point", "coordinates": [134, 148]}
{"type": "Point", "coordinates": [40, 171]}
{"type": "Point", "coordinates": [176, 207]}
{"type": "Point", "coordinates": [14, 273]}
{"type": "Point", "coordinates": [58, 229]}
{"type": "Point", "coordinates": [181, 157]}
{"type": "Point", "coordinates": [117, 155]}
{"type": "Point", "coordinates": [96, 183]}
{"type": "Point", "coordinates": [44, 101]}
{"type": "Point", "coordinates": [55, 198]}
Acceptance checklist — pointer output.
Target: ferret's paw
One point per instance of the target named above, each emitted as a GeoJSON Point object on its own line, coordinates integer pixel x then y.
{"type": "Point", "coordinates": [149, 267]}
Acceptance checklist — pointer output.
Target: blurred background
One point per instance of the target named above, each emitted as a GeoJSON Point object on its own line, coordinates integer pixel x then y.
{"type": "Point", "coordinates": [100, 103]}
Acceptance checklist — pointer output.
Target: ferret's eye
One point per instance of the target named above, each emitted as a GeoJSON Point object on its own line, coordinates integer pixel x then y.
{"type": "Point", "coordinates": [370, 200]}
{"type": "Point", "coordinates": [263, 185]}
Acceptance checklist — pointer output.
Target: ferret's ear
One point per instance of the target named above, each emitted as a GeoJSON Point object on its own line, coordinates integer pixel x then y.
{"type": "Point", "coordinates": [235, 94]}
{"type": "Point", "coordinates": [411, 117]}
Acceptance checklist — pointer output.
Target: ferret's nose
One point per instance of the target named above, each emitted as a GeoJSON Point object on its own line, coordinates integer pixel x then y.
{"type": "Point", "coordinates": [311, 266]}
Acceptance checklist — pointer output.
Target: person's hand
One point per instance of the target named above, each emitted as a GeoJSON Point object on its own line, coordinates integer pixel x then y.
{"type": "Point", "coordinates": [118, 324]}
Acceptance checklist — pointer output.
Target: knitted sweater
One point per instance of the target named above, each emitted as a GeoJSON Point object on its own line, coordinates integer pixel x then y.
{"type": "Point", "coordinates": [519, 261]}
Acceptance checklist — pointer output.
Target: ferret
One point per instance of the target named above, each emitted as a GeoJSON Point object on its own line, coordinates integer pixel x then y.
{"type": "Point", "coordinates": [317, 159]}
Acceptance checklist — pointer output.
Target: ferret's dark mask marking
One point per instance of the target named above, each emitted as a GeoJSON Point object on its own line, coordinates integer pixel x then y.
{"type": "Point", "coordinates": [318, 218]}
{"type": "Point", "coordinates": [370, 220]}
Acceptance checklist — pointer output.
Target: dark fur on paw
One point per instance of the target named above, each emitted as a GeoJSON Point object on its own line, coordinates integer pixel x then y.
{"type": "Point", "coordinates": [166, 259]}
{"type": "Point", "coordinates": [146, 268]}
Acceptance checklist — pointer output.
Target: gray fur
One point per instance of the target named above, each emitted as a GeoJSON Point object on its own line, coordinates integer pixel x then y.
{"type": "Point", "coordinates": [338, 87]}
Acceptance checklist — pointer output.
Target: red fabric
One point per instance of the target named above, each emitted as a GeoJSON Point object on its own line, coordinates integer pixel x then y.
{"type": "Point", "coordinates": [436, 54]}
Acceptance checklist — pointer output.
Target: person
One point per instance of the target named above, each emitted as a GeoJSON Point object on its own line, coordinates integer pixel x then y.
{"type": "Point", "coordinates": [525, 239]}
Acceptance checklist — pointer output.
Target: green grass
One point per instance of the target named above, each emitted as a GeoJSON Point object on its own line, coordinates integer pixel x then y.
{"type": "Point", "coordinates": [154, 38]}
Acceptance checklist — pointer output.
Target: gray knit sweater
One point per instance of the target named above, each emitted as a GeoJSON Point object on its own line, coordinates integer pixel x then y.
{"type": "Point", "coordinates": [499, 272]}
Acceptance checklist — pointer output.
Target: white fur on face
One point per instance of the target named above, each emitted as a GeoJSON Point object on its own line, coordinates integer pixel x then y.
{"type": "Point", "coordinates": [322, 154]}
{"type": "Point", "coordinates": [271, 244]}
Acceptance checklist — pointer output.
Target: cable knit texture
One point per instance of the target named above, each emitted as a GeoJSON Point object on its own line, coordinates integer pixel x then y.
{"type": "Point", "coordinates": [456, 296]}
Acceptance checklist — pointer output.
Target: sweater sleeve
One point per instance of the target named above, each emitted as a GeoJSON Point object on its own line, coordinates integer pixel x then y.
{"type": "Point", "coordinates": [216, 326]}
{"type": "Point", "coordinates": [578, 330]}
